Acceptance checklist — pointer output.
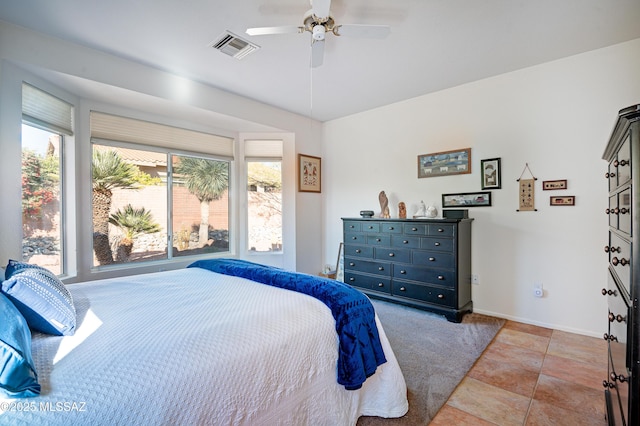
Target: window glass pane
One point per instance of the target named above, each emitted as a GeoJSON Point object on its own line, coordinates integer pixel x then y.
{"type": "Point", "coordinates": [129, 202]}
{"type": "Point", "coordinates": [200, 205]}
{"type": "Point", "coordinates": [41, 198]}
{"type": "Point", "coordinates": [264, 216]}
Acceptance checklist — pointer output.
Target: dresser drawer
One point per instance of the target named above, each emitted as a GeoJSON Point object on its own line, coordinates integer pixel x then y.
{"type": "Point", "coordinates": [352, 238]}
{"type": "Point", "coordinates": [352, 226]}
{"type": "Point", "coordinates": [371, 227]}
{"type": "Point", "coordinates": [436, 243]}
{"type": "Point", "coordinates": [415, 228]}
{"type": "Point", "coordinates": [392, 254]}
{"type": "Point", "coordinates": [624, 211]}
{"type": "Point", "coordinates": [619, 258]}
{"type": "Point", "coordinates": [379, 240]}
{"type": "Point", "coordinates": [408, 241]}
{"type": "Point", "coordinates": [441, 277]}
{"type": "Point", "coordinates": [358, 251]}
{"type": "Point", "coordinates": [366, 282]}
{"type": "Point", "coordinates": [424, 293]}
{"type": "Point", "coordinates": [368, 266]}
{"type": "Point", "coordinates": [444, 229]}
{"type": "Point", "coordinates": [617, 307]}
{"type": "Point", "coordinates": [391, 227]}
{"type": "Point", "coordinates": [433, 259]}
{"type": "Point", "coordinates": [620, 211]}
{"type": "Point", "coordinates": [620, 391]}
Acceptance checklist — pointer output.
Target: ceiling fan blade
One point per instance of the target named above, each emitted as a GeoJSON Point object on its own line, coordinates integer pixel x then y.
{"type": "Point", "coordinates": [321, 8]}
{"type": "Point", "coordinates": [288, 29]}
{"type": "Point", "coordinates": [365, 31]}
{"type": "Point", "coordinates": [317, 53]}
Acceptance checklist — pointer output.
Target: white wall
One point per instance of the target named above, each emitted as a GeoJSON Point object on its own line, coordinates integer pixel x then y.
{"type": "Point", "coordinates": [79, 69]}
{"type": "Point", "coordinates": [557, 117]}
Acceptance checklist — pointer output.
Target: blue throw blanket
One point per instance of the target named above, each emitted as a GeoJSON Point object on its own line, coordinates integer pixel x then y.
{"type": "Point", "coordinates": [360, 350]}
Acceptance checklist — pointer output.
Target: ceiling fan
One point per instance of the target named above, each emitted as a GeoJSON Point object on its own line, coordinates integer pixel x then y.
{"type": "Point", "coordinates": [319, 21]}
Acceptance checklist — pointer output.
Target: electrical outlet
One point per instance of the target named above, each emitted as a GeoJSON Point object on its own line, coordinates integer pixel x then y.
{"type": "Point", "coordinates": [475, 279]}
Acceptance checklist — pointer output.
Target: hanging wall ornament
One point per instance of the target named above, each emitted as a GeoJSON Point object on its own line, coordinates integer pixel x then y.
{"type": "Point", "coordinates": [526, 190]}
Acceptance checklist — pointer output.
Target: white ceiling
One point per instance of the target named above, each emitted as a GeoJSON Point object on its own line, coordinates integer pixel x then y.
{"type": "Point", "coordinates": [433, 45]}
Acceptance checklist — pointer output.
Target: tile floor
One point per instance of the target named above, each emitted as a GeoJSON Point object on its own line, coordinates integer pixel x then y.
{"type": "Point", "coordinates": [529, 376]}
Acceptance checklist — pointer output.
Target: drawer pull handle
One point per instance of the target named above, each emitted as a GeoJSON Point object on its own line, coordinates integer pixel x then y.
{"type": "Point", "coordinates": [611, 175]}
{"type": "Point", "coordinates": [391, 228]}
{"type": "Point", "coordinates": [621, 163]}
{"type": "Point", "coordinates": [619, 377]}
{"type": "Point", "coordinates": [440, 230]}
{"type": "Point", "coordinates": [352, 264]}
{"type": "Point", "coordinates": [354, 238]}
{"type": "Point", "coordinates": [403, 272]}
{"type": "Point", "coordinates": [370, 227]}
{"type": "Point", "coordinates": [441, 296]}
{"type": "Point", "coordinates": [351, 226]}
{"type": "Point", "coordinates": [405, 242]}
{"type": "Point", "coordinates": [436, 244]}
{"type": "Point", "coordinates": [609, 292]}
{"type": "Point", "coordinates": [612, 249]}
{"type": "Point", "coordinates": [441, 277]}
{"type": "Point", "coordinates": [380, 285]}
{"type": "Point", "coordinates": [358, 251]}
{"type": "Point", "coordinates": [624, 210]}
{"type": "Point", "coordinates": [432, 259]}
{"type": "Point", "coordinates": [414, 229]}
{"type": "Point", "coordinates": [610, 337]}
{"type": "Point", "coordinates": [618, 317]}
{"type": "Point", "coordinates": [352, 279]}
{"type": "Point", "coordinates": [622, 261]}
{"type": "Point", "coordinates": [403, 289]}
{"type": "Point", "coordinates": [378, 240]}
{"type": "Point", "coordinates": [380, 268]}
{"type": "Point", "coordinates": [392, 254]}
{"type": "Point", "coordinates": [608, 384]}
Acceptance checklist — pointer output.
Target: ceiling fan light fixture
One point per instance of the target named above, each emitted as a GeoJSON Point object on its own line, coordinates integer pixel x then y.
{"type": "Point", "coordinates": [319, 32]}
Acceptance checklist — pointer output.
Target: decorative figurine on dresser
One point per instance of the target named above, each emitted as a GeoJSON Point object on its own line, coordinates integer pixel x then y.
{"type": "Point", "coordinates": [423, 263]}
{"type": "Point", "coordinates": [622, 385]}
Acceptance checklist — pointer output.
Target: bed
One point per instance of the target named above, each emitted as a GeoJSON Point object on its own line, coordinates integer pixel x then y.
{"type": "Point", "coordinates": [198, 347]}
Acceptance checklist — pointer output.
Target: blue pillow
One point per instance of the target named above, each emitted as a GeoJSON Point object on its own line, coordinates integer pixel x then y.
{"type": "Point", "coordinates": [18, 378]}
{"type": "Point", "coordinates": [41, 298]}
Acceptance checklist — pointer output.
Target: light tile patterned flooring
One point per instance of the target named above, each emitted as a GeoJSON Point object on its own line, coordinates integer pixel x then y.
{"type": "Point", "coordinates": [530, 376]}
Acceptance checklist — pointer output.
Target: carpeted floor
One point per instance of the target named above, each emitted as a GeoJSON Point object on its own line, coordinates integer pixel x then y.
{"type": "Point", "coordinates": [434, 355]}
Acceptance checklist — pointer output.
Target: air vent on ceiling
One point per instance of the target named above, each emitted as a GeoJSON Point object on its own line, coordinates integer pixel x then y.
{"type": "Point", "coordinates": [232, 45]}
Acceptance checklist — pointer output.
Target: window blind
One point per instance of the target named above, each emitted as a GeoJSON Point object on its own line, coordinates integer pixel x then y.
{"type": "Point", "coordinates": [44, 110]}
{"type": "Point", "coordinates": [260, 148]}
{"type": "Point", "coordinates": [123, 129]}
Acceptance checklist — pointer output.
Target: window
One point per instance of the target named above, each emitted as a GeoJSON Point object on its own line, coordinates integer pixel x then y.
{"type": "Point", "coordinates": [264, 195]}
{"type": "Point", "coordinates": [150, 202]}
{"type": "Point", "coordinates": [46, 120]}
{"type": "Point", "coordinates": [200, 189]}
{"type": "Point", "coordinates": [42, 198]}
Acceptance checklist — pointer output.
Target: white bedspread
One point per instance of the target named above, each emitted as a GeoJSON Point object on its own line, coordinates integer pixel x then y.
{"type": "Point", "coordinates": [192, 347]}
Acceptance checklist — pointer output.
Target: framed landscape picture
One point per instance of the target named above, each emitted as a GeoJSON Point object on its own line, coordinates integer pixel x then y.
{"type": "Point", "coordinates": [445, 163]}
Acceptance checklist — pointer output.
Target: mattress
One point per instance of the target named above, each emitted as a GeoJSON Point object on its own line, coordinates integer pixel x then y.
{"type": "Point", "coordinates": [193, 347]}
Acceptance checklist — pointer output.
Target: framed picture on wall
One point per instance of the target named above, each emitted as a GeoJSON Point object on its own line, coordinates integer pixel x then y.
{"type": "Point", "coordinates": [445, 163]}
{"type": "Point", "coordinates": [490, 173]}
{"type": "Point", "coordinates": [467, 199]}
{"type": "Point", "coordinates": [309, 173]}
